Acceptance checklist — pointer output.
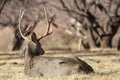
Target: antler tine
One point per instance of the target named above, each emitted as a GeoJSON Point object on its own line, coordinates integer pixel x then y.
{"type": "Point", "coordinates": [29, 29]}
{"type": "Point", "coordinates": [21, 14]}
{"type": "Point", "coordinates": [48, 25]}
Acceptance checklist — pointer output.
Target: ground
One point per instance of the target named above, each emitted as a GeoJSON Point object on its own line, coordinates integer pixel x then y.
{"type": "Point", "coordinates": [105, 63]}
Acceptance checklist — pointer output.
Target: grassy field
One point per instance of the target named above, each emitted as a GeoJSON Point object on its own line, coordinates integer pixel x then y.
{"type": "Point", "coordinates": [105, 63]}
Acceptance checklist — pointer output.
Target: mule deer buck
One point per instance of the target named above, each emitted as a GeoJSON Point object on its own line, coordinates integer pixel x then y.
{"type": "Point", "coordinates": [38, 65]}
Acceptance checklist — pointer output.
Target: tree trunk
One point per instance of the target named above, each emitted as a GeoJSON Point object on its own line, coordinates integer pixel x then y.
{"type": "Point", "coordinates": [17, 41]}
{"type": "Point", "coordinates": [91, 39]}
{"type": "Point", "coordinates": [106, 42]}
{"type": "Point", "coordinates": [79, 44]}
{"type": "Point", "coordinates": [118, 48]}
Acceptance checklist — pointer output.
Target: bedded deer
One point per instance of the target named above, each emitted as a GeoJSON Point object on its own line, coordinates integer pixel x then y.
{"type": "Point", "coordinates": [38, 65]}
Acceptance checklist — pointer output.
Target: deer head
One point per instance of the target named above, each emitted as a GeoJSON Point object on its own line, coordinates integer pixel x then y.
{"type": "Point", "coordinates": [33, 47]}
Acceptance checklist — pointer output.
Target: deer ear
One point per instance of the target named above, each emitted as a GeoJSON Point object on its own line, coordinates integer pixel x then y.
{"type": "Point", "coordinates": [34, 37]}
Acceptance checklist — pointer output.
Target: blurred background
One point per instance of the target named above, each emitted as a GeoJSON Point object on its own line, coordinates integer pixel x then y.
{"type": "Point", "coordinates": [78, 25]}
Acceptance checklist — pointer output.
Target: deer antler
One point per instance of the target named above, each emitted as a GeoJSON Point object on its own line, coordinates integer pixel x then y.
{"type": "Point", "coordinates": [21, 14]}
{"type": "Point", "coordinates": [48, 25]}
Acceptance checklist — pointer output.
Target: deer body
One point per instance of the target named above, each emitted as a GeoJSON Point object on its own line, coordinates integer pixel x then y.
{"type": "Point", "coordinates": [38, 65]}
{"type": "Point", "coordinates": [46, 66]}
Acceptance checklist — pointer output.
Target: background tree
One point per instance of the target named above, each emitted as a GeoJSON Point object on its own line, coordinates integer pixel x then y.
{"type": "Point", "coordinates": [100, 19]}
{"type": "Point", "coordinates": [9, 10]}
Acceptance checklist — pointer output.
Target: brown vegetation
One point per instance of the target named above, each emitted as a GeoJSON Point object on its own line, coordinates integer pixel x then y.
{"type": "Point", "coordinates": [99, 20]}
{"type": "Point", "coordinates": [102, 62]}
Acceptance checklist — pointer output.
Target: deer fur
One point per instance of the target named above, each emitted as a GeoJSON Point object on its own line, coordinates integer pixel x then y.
{"type": "Point", "coordinates": [38, 65]}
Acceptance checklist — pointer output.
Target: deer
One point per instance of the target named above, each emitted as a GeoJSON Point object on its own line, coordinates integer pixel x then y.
{"type": "Point", "coordinates": [36, 64]}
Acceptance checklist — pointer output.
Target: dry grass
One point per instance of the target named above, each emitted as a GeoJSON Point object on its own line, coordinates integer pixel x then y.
{"type": "Point", "coordinates": [106, 68]}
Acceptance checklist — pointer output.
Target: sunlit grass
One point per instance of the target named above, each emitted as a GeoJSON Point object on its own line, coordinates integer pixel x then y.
{"type": "Point", "coordinates": [106, 68]}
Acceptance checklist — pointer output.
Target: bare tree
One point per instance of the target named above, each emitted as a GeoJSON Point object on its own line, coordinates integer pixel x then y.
{"type": "Point", "coordinates": [100, 19]}
{"type": "Point", "coordinates": [9, 10]}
